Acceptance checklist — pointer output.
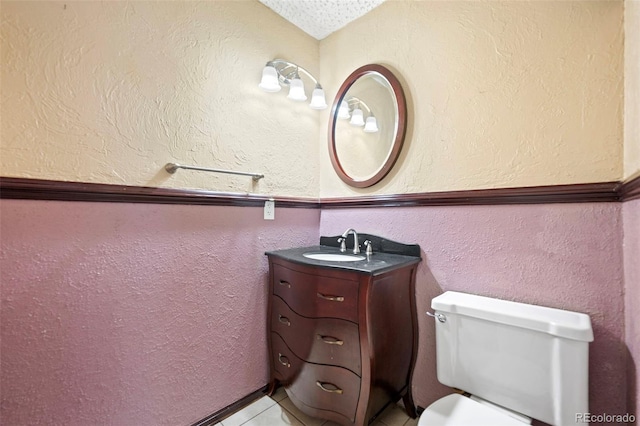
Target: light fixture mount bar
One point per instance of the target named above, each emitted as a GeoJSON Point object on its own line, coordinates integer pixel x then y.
{"type": "Point", "coordinates": [287, 71]}
{"type": "Point", "coordinates": [352, 101]}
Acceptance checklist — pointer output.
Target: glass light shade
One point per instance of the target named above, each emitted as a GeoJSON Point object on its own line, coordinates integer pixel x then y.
{"type": "Point", "coordinates": [317, 99]}
{"type": "Point", "coordinates": [296, 90]}
{"type": "Point", "coordinates": [371, 126]}
{"type": "Point", "coordinates": [269, 82]}
{"type": "Point", "coordinates": [343, 111]}
{"type": "Point", "coordinates": [357, 118]}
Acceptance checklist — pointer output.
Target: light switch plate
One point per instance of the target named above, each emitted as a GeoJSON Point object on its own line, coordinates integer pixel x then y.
{"type": "Point", "coordinates": [269, 210]}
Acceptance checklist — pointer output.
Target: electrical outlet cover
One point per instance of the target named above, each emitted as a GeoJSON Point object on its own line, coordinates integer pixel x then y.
{"type": "Point", "coordinates": [269, 210]}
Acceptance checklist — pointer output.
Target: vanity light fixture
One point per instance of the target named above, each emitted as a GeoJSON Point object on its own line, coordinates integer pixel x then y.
{"type": "Point", "coordinates": [269, 82]}
{"type": "Point", "coordinates": [343, 111]}
{"type": "Point", "coordinates": [317, 98]}
{"type": "Point", "coordinates": [357, 117]}
{"type": "Point", "coordinates": [296, 89]}
{"type": "Point", "coordinates": [371, 125]}
{"type": "Point", "coordinates": [279, 72]}
{"type": "Point", "coordinates": [352, 108]}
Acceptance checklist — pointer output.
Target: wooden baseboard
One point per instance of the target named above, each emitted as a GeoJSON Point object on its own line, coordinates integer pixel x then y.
{"type": "Point", "coordinates": [630, 189]}
{"type": "Point", "coordinates": [220, 415]}
{"type": "Point", "coordinates": [39, 189]}
{"type": "Point", "coordinates": [575, 193]}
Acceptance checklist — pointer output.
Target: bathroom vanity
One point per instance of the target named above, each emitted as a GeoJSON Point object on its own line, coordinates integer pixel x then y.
{"type": "Point", "coordinates": [342, 333]}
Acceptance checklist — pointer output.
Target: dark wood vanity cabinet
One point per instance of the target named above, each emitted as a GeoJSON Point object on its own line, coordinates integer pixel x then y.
{"type": "Point", "coordinates": [342, 343]}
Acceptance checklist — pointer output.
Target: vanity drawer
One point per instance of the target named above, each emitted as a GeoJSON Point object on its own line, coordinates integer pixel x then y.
{"type": "Point", "coordinates": [285, 364]}
{"type": "Point", "coordinates": [318, 340]}
{"type": "Point", "coordinates": [328, 388]}
{"type": "Point", "coordinates": [316, 296]}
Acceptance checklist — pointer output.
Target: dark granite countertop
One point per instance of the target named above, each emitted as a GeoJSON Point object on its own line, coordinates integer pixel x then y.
{"type": "Point", "coordinates": [375, 264]}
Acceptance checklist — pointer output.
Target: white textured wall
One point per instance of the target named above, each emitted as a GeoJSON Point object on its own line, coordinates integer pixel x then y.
{"type": "Point", "coordinates": [501, 94]}
{"type": "Point", "coordinates": [111, 91]}
{"type": "Point", "coordinates": [631, 87]}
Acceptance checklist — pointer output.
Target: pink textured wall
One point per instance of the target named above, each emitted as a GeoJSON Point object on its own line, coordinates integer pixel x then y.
{"type": "Point", "coordinates": [132, 314]}
{"type": "Point", "coordinates": [566, 256]}
{"type": "Point", "coordinates": [631, 219]}
{"type": "Point", "coordinates": [144, 314]}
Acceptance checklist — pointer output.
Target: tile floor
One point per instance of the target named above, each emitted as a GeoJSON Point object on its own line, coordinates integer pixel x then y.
{"type": "Point", "coordinates": [278, 410]}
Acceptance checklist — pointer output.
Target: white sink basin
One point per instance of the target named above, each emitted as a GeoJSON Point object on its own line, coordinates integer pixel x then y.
{"type": "Point", "coordinates": [334, 257]}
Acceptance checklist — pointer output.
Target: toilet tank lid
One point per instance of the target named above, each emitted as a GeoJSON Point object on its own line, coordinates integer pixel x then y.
{"type": "Point", "coordinates": [558, 322]}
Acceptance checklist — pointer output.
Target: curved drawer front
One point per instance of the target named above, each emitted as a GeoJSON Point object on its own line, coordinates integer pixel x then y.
{"type": "Point", "coordinates": [318, 340]}
{"type": "Point", "coordinates": [328, 388]}
{"type": "Point", "coordinates": [316, 296]}
{"type": "Point", "coordinates": [286, 365]}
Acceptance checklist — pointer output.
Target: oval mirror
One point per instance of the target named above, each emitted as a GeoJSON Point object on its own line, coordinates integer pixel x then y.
{"type": "Point", "coordinates": [367, 126]}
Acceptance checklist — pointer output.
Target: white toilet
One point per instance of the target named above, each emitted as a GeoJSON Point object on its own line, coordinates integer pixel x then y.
{"type": "Point", "coordinates": [517, 361]}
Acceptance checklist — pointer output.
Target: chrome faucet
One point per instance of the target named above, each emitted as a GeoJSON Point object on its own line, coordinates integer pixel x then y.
{"type": "Point", "coordinates": [343, 239]}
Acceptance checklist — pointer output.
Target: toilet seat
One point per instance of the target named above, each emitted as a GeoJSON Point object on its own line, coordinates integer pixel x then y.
{"type": "Point", "coordinates": [458, 410]}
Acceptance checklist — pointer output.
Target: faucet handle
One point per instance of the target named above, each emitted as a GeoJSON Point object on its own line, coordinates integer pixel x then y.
{"type": "Point", "coordinates": [369, 250]}
{"type": "Point", "coordinates": [343, 244]}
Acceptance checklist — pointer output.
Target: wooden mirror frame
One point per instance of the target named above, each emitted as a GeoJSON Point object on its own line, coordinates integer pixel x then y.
{"type": "Point", "coordinates": [401, 105]}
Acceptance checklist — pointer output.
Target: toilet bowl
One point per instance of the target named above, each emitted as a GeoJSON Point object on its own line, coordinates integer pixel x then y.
{"type": "Point", "coordinates": [518, 361]}
{"type": "Point", "coordinates": [459, 410]}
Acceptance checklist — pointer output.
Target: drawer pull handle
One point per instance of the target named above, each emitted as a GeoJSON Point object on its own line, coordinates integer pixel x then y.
{"type": "Point", "coordinates": [284, 320]}
{"type": "Point", "coordinates": [284, 360]}
{"type": "Point", "coordinates": [331, 340]}
{"type": "Point", "coordinates": [332, 298]}
{"type": "Point", "coordinates": [285, 283]}
{"type": "Point", "coordinates": [324, 388]}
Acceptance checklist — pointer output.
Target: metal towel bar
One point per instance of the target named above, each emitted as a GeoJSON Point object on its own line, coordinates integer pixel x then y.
{"type": "Point", "coordinates": [173, 167]}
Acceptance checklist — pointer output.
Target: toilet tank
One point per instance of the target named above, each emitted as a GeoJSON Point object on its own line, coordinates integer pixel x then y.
{"type": "Point", "coordinates": [530, 359]}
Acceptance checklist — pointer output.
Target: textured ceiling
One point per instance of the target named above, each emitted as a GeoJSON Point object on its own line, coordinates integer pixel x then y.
{"type": "Point", "coordinates": [319, 18]}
